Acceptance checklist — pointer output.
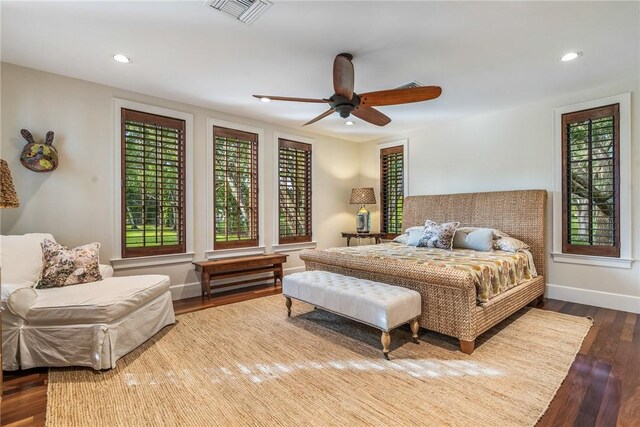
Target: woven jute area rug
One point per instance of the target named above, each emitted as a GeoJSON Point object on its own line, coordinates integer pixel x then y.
{"type": "Point", "coordinates": [248, 364]}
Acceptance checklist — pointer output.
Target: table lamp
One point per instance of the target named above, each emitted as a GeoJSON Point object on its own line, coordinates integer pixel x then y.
{"type": "Point", "coordinates": [363, 196]}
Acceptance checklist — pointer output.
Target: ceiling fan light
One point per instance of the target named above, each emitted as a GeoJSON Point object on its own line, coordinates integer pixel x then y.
{"type": "Point", "coordinates": [349, 123]}
{"type": "Point", "coordinates": [570, 56]}
{"type": "Point", "coordinates": [265, 99]}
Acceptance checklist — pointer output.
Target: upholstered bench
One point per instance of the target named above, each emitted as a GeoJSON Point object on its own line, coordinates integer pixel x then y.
{"type": "Point", "coordinates": [382, 306]}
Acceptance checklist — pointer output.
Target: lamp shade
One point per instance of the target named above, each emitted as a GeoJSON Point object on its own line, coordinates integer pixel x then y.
{"type": "Point", "coordinates": [8, 196]}
{"type": "Point", "coordinates": [363, 196]}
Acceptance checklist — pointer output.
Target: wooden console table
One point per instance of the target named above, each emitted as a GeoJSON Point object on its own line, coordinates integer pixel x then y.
{"type": "Point", "coordinates": [237, 267]}
{"type": "Point", "coordinates": [350, 235]}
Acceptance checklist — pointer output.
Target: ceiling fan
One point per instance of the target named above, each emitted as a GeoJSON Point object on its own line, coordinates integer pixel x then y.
{"type": "Point", "coordinates": [346, 102]}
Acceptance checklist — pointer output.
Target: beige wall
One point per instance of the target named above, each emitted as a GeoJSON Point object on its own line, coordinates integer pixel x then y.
{"type": "Point", "coordinates": [508, 150]}
{"type": "Point", "coordinates": [512, 149]}
{"type": "Point", "coordinates": [75, 202]}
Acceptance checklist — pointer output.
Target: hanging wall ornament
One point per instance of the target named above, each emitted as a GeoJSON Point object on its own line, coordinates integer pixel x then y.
{"type": "Point", "coordinates": [36, 156]}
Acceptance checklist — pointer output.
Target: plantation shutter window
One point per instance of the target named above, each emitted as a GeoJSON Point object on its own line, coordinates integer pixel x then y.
{"type": "Point", "coordinates": [153, 184]}
{"type": "Point", "coordinates": [591, 182]}
{"type": "Point", "coordinates": [294, 191]}
{"type": "Point", "coordinates": [235, 186]}
{"type": "Point", "coordinates": [391, 190]}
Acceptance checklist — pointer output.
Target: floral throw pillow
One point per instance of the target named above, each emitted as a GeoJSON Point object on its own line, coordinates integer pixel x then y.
{"type": "Point", "coordinates": [438, 236]}
{"type": "Point", "coordinates": [63, 266]}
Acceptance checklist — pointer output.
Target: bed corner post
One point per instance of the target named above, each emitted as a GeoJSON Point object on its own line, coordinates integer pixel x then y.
{"type": "Point", "coordinates": [467, 347]}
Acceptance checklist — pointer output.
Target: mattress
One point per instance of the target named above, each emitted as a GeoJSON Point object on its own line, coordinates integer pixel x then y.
{"type": "Point", "coordinates": [492, 272]}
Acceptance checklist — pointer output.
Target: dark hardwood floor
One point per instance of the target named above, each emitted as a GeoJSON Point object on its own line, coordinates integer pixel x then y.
{"type": "Point", "coordinates": [601, 389]}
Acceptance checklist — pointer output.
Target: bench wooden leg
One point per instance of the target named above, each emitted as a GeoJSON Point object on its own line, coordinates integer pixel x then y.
{"type": "Point", "coordinates": [415, 327]}
{"type": "Point", "coordinates": [386, 343]}
{"type": "Point", "coordinates": [278, 274]}
{"type": "Point", "coordinates": [288, 303]}
{"type": "Point", "coordinates": [205, 282]}
{"type": "Point", "coordinates": [467, 347]}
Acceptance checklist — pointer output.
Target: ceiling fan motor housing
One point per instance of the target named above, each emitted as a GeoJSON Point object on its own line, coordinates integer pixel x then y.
{"type": "Point", "coordinates": [343, 105]}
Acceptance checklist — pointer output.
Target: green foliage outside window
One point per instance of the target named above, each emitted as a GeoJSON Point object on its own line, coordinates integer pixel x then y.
{"type": "Point", "coordinates": [153, 185]}
{"type": "Point", "coordinates": [235, 188]}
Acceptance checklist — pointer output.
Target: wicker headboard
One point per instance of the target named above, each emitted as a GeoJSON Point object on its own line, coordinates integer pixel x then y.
{"type": "Point", "coordinates": [521, 214]}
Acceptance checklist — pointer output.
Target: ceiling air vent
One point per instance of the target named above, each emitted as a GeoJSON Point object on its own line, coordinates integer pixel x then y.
{"type": "Point", "coordinates": [410, 85]}
{"type": "Point", "coordinates": [245, 11]}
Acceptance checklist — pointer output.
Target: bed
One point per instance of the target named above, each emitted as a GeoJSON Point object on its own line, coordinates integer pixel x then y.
{"type": "Point", "coordinates": [450, 300]}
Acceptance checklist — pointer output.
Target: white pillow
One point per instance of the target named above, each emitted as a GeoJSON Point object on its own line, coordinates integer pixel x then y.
{"type": "Point", "coordinates": [106, 271]}
{"type": "Point", "coordinates": [21, 257]}
{"type": "Point", "coordinates": [510, 244]}
{"type": "Point", "coordinates": [497, 234]}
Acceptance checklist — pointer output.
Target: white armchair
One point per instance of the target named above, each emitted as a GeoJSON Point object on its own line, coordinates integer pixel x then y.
{"type": "Point", "coordinates": [92, 324]}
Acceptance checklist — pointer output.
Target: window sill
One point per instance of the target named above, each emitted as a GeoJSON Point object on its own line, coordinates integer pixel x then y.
{"type": "Point", "coordinates": [293, 247]}
{"type": "Point", "coordinates": [598, 261]}
{"type": "Point", "coordinates": [228, 253]}
{"type": "Point", "coordinates": [146, 261]}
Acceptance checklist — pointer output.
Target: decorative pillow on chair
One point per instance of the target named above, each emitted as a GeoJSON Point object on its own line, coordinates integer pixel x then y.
{"type": "Point", "coordinates": [63, 266]}
{"type": "Point", "coordinates": [438, 235]}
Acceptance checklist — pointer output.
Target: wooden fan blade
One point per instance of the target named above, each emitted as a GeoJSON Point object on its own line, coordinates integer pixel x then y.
{"type": "Point", "coordinates": [343, 76]}
{"type": "Point", "coordinates": [286, 98]}
{"type": "Point", "coordinates": [400, 96]}
{"type": "Point", "coordinates": [320, 117]}
{"type": "Point", "coordinates": [371, 115]}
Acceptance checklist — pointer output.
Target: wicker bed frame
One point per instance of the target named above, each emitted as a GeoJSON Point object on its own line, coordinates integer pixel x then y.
{"type": "Point", "coordinates": [449, 304]}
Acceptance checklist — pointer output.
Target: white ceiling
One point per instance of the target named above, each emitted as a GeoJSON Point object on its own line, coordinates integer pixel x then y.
{"type": "Point", "coordinates": [485, 55]}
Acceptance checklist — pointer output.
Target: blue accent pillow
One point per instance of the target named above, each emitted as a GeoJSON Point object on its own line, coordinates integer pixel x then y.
{"type": "Point", "coordinates": [415, 236]}
{"type": "Point", "coordinates": [478, 240]}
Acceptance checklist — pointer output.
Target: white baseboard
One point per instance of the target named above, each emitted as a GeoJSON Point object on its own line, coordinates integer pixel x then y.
{"type": "Point", "coordinates": [596, 298]}
{"type": "Point", "coordinates": [185, 290]}
{"type": "Point", "coordinates": [292, 270]}
{"type": "Point", "coordinates": [194, 289]}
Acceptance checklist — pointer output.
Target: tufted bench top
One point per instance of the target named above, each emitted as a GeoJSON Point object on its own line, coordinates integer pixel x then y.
{"type": "Point", "coordinates": [377, 304]}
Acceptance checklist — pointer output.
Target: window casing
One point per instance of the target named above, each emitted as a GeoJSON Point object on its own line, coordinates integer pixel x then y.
{"type": "Point", "coordinates": [391, 190]}
{"type": "Point", "coordinates": [591, 182]}
{"type": "Point", "coordinates": [152, 184]}
{"type": "Point", "coordinates": [235, 187]}
{"type": "Point", "coordinates": [294, 192]}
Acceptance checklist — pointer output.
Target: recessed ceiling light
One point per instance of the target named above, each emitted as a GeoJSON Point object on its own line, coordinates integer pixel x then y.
{"type": "Point", "coordinates": [121, 58]}
{"type": "Point", "coordinates": [570, 56]}
{"type": "Point", "coordinates": [349, 123]}
{"type": "Point", "coordinates": [265, 99]}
